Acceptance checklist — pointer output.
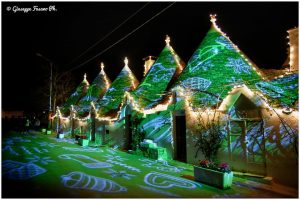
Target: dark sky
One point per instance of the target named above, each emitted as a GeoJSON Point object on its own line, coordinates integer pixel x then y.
{"type": "Point", "coordinates": [258, 28]}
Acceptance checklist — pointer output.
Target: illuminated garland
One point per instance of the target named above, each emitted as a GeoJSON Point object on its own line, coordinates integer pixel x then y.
{"type": "Point", "coordinates": [177, 59]}
{"type": "Point", "coordinates": [213, 19]}
{"type": "Point", "coordinates": [157, 108]}
{"type": "Point", "coordinates": [183, 92]}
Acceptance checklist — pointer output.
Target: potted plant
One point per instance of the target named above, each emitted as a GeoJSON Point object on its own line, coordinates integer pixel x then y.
{"type": "Point", "coordinates": [210, 136]}
{"type": "Point", "coordinates": [211, 174]}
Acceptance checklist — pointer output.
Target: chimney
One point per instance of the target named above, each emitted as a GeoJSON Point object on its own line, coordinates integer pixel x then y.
{"type": "Point", "coordinates": [293, 50]}
{"type": "Point", "coordinates": [149, 60]}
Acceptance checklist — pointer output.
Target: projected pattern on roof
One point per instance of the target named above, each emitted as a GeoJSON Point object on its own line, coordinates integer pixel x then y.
{"type": "Point", "coordinates": [153, 86]}
{"type": "Point", "coordinates": [218, 66]}
{"type": "Point", "coordinates": [112, 99]}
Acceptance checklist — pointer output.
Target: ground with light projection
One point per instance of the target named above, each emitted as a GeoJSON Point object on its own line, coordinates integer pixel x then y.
{"type": "Point", "coordinates": [36, 165]}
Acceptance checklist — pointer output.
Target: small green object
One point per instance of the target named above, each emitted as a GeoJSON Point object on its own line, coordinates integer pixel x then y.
{"type": "Point", "coordinates": [49, 132]}
{"type": "Point", "coordinates": [44, 130]}
{"type": "Point", "coordinates": [83, 142]}
{"type": "Point", "coordinates": [149, 145]}
{"type": "Point", "coordinates": [158, 153]}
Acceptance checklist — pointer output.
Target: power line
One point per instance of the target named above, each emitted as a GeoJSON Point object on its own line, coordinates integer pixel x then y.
{"type": "Point", "coordinates": [108, 34]}
{"type": "Point", "coordinates": [78, 66]}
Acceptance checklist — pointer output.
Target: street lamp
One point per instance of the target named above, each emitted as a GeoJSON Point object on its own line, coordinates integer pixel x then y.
{"type": "Point", "coordinates": [51, 78]}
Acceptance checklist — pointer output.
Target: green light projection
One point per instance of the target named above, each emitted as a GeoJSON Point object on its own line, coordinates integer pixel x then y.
{"type": "Point", "coordinates": [283, 91]}
{"type": "Point", "coordinates": [215, 68]}
{"type": "Point", "coordinates": [80, 91]}
{"type": "Point", "coordinates": [152, 88]}
{"type": "Point", "coordinates": [125, 81]}
{"type": "Point", "coordinates": [96, 91]}
{"type": "Point", "coordinates": [69, 178]}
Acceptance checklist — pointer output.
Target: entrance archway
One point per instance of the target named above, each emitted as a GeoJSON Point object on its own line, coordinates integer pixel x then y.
{"type": "Point", "coordinates": [179, 136]}
{"type": "Point", "coordinates": [128, 128]}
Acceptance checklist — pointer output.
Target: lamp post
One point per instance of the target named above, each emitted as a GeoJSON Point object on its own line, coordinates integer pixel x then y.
{"type": "Point", "coordinates": [51, 66]}
{"type": "Point", "coordinates": [51, 85]}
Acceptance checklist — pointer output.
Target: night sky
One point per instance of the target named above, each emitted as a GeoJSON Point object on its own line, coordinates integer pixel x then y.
{"type": "Point", "coordinates": [259, 30]}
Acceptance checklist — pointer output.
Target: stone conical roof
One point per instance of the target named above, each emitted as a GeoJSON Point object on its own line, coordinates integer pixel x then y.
{"type": "Point", "coordinates": [153, 87]}
{"type": "Point", "coordinates": [95, 92]}
{"type": "Point", "coordinates": [215, 68]}
{"type": "Point", "coordinates": [79, 92]}
{"type": "Point", "coordinates": [112, 99]}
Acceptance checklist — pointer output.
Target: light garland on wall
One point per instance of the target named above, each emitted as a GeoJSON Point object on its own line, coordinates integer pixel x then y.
{"type": "Point", "coordinates": [59, 115]}
{"type": "Point", "coordinates": [157, 108]}
{"type": "Point", "coordinates": [162, 107]}
{"type": "Point", "coordinates": [293, 45]}
{"type": "Point", "coordinates": [213, 19]}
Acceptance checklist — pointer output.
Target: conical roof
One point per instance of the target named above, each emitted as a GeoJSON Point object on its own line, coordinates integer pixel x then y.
{"type": "Point", "coordinates": [215, 68]}
{"type": "Point", "coordinates": [80, 91]}
{"type": "Point", "coordinates": [112, 99]}
{"type": "Point", "coordinates": [152, 88]}
{"type": "Point", "coordinates": [95, 92]}
{"type": "Point", "coordinates": [283, 91]}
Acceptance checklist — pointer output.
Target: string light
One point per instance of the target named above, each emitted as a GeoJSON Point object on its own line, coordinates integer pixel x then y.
{"type": "Point", "coordinates": [175, 56]}
{"type": "Point", "coordinates": [106, 81]}
{"type": "Point", "coordinates": [131, 75]}
{"type": "Point", "coordinates": [213, 19]}
{"type": "Point", "coordinates": [293, 53]}
{"type": "Point", "coordinates": [164, 106]}
{"type": "Point", "coordinates": [157, 108]}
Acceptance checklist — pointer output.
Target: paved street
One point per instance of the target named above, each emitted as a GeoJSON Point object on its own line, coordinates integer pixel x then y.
{"type": "Point", "coordinates": [38, 165]}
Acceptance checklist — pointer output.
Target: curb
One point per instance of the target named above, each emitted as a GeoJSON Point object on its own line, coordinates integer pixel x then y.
{"type": "Point", "coordinates": [267, 183]}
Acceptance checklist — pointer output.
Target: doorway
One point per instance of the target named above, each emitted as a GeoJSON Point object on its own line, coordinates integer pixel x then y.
{"type": "Point", "coordinates": [180, 139]}
{"type": "Point", "coordinates": [128, 129]}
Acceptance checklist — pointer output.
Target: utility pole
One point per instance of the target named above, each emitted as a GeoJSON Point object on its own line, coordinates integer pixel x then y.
{"type": "Point", "coordinates": [50, 87]}
{"type": "Point", "coordinates": [51, 81]}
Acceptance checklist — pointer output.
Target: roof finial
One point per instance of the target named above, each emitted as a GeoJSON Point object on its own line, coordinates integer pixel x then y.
{"type": "Point", "coordinates": [126, 61]}
{"type": "Point", "coordinates": [58, 111]}
{"type": "Point", "coordinates": [102, 66]}
{"type": "Point", "coordinates": [168, 40]}
{"type": "Point", "coordinates": [213, 18]}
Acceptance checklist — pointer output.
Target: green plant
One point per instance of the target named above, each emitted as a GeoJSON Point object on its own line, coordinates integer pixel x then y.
{"type": "Point", "coordinates": [138, 133]}
{"type": "Point", "coordinates": [209, 134]}
{"type": "Point", "coordinates": [222, 167]}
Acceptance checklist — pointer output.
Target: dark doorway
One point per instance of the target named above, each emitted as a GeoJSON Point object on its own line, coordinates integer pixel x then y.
{"type": "Point", "coordinates": [93, 128]}
{"type": "Point", "coordinates": [180, 138]}
{"type": "Point", "coordinates": [128, 133]}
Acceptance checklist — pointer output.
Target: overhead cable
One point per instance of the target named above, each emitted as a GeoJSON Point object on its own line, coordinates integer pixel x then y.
{"type": "Point", "coordinates": [78, 66]}
{"type": "Point", "coordinates": [108, 34]}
